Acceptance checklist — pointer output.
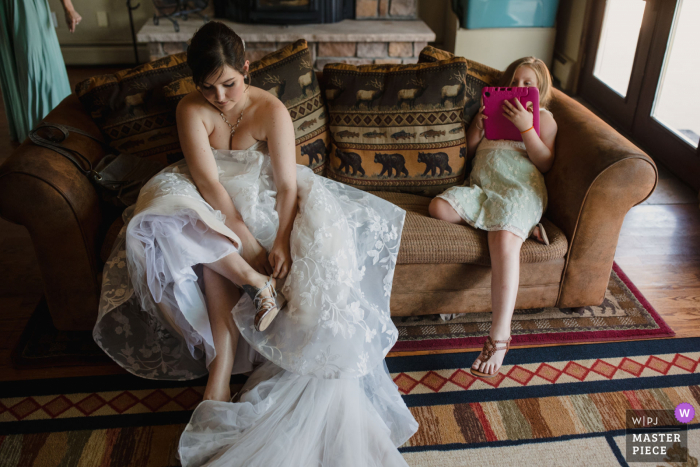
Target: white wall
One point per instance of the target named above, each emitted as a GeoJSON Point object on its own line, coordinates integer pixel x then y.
{"type": "Point", "coordinates": [499, 47]}
{"type": "Point", "coordinates": [91, 44]}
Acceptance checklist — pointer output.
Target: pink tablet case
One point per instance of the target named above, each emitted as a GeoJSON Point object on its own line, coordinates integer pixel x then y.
{"type": "Point", "coordinates": [496, 126]}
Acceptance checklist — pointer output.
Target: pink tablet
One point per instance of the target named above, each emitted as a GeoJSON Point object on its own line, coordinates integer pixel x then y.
{"type": "Point", "coordinates": [496, 126]}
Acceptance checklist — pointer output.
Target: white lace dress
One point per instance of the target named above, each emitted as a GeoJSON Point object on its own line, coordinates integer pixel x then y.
{"type": "Point", "coordinates": [322, 395]}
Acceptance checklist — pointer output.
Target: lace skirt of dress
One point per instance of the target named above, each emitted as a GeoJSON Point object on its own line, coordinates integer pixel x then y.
{"type": "Point", "coordinates": [323, 352]}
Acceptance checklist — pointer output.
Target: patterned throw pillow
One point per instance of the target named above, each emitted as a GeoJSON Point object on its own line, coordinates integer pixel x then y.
{"type": "Point", "coordinates": [397, 127]}
{"type": "Point", "coordinates": [131, 110]}
{"type": "Point", "coordinates": [477, 77]}
{"type": "Point", "coordinates": [288, 74]}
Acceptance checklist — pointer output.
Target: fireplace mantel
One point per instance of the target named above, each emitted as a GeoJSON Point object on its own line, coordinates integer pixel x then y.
{"type": "Point", "coordinates": [349, 41]}
{"type": "Point", "coordinates": [344, 31]}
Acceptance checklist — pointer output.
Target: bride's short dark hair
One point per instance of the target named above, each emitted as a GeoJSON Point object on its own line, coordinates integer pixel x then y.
{"type": "Point", "coordinates": [212, 47]}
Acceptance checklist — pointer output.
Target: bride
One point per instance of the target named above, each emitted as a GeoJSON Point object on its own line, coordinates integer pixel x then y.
{"type": "Point", "coordinates": [315, 259]}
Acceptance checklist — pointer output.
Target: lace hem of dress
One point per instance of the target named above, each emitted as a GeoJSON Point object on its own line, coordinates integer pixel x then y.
{"type": "Point", "coordinates": [494, 228]}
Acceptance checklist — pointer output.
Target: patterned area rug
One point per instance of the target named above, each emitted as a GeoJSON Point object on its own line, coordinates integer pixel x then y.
{"type": "Point", "coordinates": [549, 406]}
{"type": "Point", "coordinates": [624, 315]}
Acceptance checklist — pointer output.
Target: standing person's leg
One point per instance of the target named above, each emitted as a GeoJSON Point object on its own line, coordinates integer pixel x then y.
{"type": "Point", "coordinates": [504, 248]}
{"type": "Point", "coordinates": [221, 297]}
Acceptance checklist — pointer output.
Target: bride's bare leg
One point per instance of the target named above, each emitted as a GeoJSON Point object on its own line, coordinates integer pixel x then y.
{"type": "Point", "coordinates": [234, 268]}
{"type": "Point", "coordinates": [221, 297]}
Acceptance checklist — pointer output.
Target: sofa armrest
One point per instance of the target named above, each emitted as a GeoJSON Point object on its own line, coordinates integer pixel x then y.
{"type": "Point", "coordinates": [597, 177]}
{"type": "Point", "coordinates": [46, 193]}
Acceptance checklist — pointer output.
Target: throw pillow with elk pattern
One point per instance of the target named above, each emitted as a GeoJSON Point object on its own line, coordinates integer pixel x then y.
{"type": "Point", "coordinates": [478, 76]}
{"type": "Point", "coordinates": [397, 127]}
{"type": "Point", "coordinates": [288, 75]}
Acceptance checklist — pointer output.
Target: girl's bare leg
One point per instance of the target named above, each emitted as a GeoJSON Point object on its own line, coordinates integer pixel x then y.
{"type": "Point", "coordinates": [504, 248]}
{"type": "Point", "coordinates": [221, 297]}
{"type": "Point", "coordinates": [441, 209]}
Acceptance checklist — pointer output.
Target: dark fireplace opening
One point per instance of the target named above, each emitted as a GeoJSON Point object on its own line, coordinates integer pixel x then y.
{"type": "Point", "coordinates": [285, 11]}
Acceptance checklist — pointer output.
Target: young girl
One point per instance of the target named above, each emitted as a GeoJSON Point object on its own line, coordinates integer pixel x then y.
{"type": "Point", "coordinates": [506, 196]}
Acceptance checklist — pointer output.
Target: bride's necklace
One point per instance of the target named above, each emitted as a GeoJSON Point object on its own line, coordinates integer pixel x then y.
{"type": "Point", "coordinates": [240, 117]}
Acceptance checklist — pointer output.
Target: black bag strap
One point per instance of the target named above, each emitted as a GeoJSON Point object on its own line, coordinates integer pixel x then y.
{"type": "Point", "coordinates": [81, 162]}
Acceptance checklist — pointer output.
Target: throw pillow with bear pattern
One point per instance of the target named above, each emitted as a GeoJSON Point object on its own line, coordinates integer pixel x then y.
{"type": "Point", "coordinates": [397, 127]}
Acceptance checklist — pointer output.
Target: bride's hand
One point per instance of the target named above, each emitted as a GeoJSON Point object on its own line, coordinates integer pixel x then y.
{"type": "Point", "coordinates": [256, 256]}
{"type": "Point", "coordinates": [280, 259]}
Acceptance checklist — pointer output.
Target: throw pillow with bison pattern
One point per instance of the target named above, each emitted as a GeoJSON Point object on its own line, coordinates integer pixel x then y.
{"type": "Point", "coordinates": [397, 127]}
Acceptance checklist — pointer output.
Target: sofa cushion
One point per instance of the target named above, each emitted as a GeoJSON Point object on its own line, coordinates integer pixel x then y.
{"type": "Point", "coordinates": [130, 109]}
{"type": "Point", "coordinates": [477, 77]}
{"type": "Point", "coordinates": [428, 240]}
{"type": "Point", "coordinates": [397, 127]}
{"type": "Point", "coordinates": [288, 74]}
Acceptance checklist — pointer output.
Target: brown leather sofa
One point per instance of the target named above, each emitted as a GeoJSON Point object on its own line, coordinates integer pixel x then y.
{"type": "Point", "coordinates": [442, 268]}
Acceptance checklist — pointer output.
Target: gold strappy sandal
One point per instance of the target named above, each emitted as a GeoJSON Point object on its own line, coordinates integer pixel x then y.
{"type": "Point", "coordinates": [488, 351]}
{"type": "Point", "coordinates": [265, 307]}
{"type": "Point", "coordinates": [543, 234]}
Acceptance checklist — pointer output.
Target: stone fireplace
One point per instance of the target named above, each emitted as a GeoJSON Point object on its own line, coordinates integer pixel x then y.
{"type": "Point", "coordinates": [383, 32]}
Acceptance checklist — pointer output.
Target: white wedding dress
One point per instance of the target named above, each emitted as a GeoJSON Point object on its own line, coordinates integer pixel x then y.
{"type": "Point", "coordinates": [320, 393]}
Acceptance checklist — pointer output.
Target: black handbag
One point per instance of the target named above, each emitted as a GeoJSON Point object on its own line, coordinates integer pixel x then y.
{"type": "Point", "coordinates": [117, 177]}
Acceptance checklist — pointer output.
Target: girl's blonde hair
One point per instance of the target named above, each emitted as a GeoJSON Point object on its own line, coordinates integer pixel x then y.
{"type": "Point", "coordinates": [544, 79]}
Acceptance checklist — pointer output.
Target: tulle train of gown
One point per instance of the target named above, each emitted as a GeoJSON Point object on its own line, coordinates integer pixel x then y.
{"type": "Point", "coordinates": [320, 393]}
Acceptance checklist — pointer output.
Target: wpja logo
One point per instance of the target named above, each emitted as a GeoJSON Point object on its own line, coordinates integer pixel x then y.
{"type": "Point", "coordinates": [684, 412]}
{"type": "Point", "coordinates": [658, 435]}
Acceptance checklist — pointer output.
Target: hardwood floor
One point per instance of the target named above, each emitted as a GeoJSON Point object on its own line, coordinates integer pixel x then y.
{"type": "Point", "coordinates": [659, 249]}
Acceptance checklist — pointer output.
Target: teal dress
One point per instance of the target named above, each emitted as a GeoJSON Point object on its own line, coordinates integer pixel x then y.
{"type": "Point", "coordinates": [505, 190]}
{"type": "Point", "coordinates": [32, 73]}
